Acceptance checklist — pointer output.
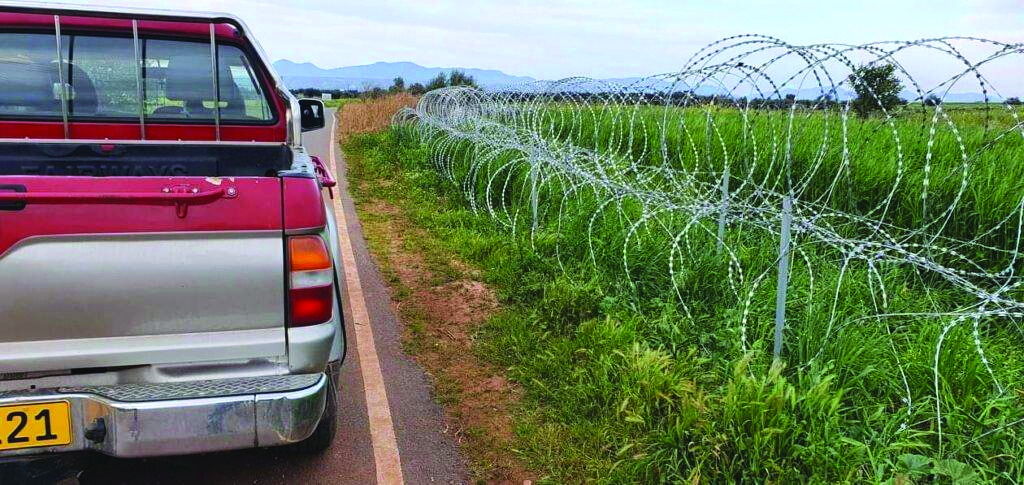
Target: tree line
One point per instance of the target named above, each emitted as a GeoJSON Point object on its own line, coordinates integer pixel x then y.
{"type": "Point", "coordinates": [443, 79]}
{"type": "Point", "coordinates": [877, 88]}
{"type": "Point", "coordinates": [455, 77]}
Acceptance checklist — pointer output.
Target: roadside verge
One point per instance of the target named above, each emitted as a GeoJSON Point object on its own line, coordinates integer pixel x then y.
{"type": "Point", "coordinates": [442, 302]}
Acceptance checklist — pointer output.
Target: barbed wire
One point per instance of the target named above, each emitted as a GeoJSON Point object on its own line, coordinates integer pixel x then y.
{"type": "Point", "coordinates": [754, 139]}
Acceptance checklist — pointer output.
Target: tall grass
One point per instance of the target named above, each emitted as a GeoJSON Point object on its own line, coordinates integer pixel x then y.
{"type": "Point", "coordinates": [645, 374]}
{"type": "Point", "coordinates": [371, 114]}
{"type": "Point", "coordinates": [760, 147]}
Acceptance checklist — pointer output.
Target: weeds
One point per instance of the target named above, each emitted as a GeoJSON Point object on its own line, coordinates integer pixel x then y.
{"type": "Point", "coordinates": [623, 385]}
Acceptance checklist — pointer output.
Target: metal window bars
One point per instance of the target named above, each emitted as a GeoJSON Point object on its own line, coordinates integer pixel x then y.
{"type": "Point", "coordinates": [293, 132]}
{"type": "Point", "coordinates": [62, 86]}
{"type": "Point", "coordinates": [138, 79]}
{"type": "Point", "coordinates": [64, 89]}
{"type": "Point", "coordinates": [216, 83]}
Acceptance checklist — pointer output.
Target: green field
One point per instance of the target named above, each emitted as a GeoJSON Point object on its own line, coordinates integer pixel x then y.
{"type": "Point", "coordinates": [645, 350]}
{"type": "Point", "coordinates": [337, 103]}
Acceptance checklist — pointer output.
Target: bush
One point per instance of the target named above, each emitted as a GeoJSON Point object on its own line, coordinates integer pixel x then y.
{"type": "Point", "coordinates": [397, 86]}
{"type": "Point", "coordinates": [453, 78]}
{"type": "Point", "coordinates": [439, 81]}
{"type": "Point", "coordinates": [459, 78]}
{"type": "Point", "coordinates": [877, 89]}
{"type": "Point", "coordinates": [374, 93]}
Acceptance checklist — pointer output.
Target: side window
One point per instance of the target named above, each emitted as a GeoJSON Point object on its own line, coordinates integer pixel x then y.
{"type": "Point", "coordinates": [179, 83]}
{"type": "Point", "coordinates": [28, 75]}
{"type": "Point", "coordinates": [101, 74]}
{"type": "Point", "coordinates": [240, 94]}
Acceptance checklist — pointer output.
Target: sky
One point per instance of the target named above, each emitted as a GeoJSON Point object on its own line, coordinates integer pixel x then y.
{"type": "Point", "coordinates": [553, 39]}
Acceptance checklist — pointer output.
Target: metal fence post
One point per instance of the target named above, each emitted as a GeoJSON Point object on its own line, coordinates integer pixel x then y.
{"type": "Point", "coordinates": [780, 292]}
{"type": "Point", "coordinates": [707, 141]}
{"type": "Point", "coordinates": [724, 209]}
{"type": "Point", "coordinates": [533, 194]}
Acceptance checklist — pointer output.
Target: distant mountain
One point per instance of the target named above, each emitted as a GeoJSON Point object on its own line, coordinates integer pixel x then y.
{"type": "Point", "coordinates": [380, 74]}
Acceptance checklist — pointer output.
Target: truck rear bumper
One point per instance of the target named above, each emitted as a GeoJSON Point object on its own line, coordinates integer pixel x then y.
{"type": "Point", "coordinates": [143, 420]}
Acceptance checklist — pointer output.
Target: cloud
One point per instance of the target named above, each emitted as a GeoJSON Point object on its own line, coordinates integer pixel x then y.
{"type": "Point", "coordinates": [999, 19]}
{"type": "Point", "coordinates": [598, 38]}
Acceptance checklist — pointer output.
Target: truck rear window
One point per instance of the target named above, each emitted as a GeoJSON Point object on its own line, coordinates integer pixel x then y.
{"type": "Point", "coordinates": [102, 79]}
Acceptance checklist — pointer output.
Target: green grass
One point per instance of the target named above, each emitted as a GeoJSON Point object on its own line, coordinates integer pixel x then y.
{"type": "Point", "coordinates": [623, 384]}
{"type": "Point", "coordinates": [990, 137]}
{"type": "Point", "coordinates": [337, 103]}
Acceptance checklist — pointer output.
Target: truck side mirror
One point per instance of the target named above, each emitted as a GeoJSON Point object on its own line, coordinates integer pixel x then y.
{"type": "Point", "coordinates": [312, 114]}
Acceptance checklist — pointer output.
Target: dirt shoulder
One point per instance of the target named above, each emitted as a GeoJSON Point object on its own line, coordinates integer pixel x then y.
{"type": "Point", "coordinates": [442, 302]}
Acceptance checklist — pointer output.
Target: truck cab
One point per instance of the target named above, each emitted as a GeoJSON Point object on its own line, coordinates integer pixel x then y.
{"type": "Point", "coordinates": [169, 278]}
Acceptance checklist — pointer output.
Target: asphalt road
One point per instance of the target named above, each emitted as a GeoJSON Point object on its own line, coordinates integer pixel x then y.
{"type": "Point", "coordinates": [427, 454]}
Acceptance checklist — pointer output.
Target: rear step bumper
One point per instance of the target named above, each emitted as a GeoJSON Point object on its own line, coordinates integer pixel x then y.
{"type": "Point", "coordinates": [143, 420]}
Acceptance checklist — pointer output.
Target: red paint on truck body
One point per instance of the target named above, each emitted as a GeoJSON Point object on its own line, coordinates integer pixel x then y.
{"type": "Point", "coordinates": [198, 29]}
{"type": "Point", "coordinates": [303, 205]}
{"type": "Point", "coordinates": [88, 130]}
{"type": "Point", "coordinates": [256, 207]}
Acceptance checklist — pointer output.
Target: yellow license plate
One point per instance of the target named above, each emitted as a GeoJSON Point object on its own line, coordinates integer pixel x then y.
{"type": "Point", "coordinates": [32, 425]}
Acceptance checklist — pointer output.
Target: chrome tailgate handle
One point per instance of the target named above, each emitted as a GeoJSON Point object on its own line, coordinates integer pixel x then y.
{"type": "Point", "coordinates": [179, 196]}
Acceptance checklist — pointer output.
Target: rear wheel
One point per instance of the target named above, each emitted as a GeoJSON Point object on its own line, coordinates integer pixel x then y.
{"type": "Point", "coordinates": [323, 435]}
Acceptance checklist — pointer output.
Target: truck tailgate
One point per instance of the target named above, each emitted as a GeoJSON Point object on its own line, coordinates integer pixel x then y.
{"type": "Point", "coordinates": [100, 272]}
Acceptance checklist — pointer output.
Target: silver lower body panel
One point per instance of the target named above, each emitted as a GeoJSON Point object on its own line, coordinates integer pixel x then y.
{"type": "Point", "coordinates": [144, 420]}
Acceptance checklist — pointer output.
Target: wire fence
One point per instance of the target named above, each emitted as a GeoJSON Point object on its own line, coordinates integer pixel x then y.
{"type": "Point", "coordinates": [753, 155]}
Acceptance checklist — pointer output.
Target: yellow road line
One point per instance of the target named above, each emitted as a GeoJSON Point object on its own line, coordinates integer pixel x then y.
{"type": "Point", "coordinates": [382, 431]}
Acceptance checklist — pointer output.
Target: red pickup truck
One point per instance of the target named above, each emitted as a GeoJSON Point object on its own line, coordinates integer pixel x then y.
{"type": "Point", "coordinates": [168, 253]}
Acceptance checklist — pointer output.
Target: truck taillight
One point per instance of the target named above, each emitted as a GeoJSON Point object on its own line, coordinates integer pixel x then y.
{"type": "Point", "coordinates": [311, 281]}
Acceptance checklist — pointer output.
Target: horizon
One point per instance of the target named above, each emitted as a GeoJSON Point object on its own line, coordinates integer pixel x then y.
{"type": "Point", "coordinates": [318, 66]}
{"type": "Point", "coordinates": [384, 79]}
{"type": "Point", "coordinates": [569, 38]}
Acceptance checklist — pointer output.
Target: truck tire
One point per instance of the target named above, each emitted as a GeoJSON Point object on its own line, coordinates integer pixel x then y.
{"type": "Point", "coordinates": [323, 435]}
